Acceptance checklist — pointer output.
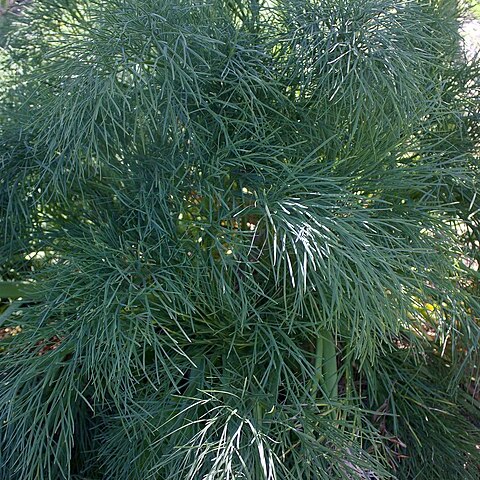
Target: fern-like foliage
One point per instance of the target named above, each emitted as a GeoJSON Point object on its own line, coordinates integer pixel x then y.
{"type": "Point", "coordinates": [231, 231]}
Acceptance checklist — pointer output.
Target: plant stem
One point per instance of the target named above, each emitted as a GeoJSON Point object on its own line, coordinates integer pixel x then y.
{"type": "Point", "coordinates": [330, 366]}
{"type": "Point", "coordinates": [326, 365]}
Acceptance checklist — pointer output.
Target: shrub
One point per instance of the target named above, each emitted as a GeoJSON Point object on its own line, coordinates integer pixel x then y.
{"type": "Point", "coordinates": [231, 241]}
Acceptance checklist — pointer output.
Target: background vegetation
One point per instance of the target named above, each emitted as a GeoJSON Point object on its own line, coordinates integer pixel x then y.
{"type": "Point", "coordinates": [240, 241]}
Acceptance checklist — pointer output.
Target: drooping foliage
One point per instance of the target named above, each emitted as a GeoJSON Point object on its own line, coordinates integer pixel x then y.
{"type": "Point", "coordinates": [232, 241]}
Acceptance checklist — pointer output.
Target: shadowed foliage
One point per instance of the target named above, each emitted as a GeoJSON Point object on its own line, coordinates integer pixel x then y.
{"type": "Point", "coordinates": [238, 241]}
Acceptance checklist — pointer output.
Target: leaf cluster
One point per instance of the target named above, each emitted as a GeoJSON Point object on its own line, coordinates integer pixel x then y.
{"type": "Point", "coordinates": [240, 223]}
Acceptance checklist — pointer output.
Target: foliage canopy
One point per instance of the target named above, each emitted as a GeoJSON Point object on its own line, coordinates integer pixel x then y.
{"type": "Point", "coordinates": [237, 227]}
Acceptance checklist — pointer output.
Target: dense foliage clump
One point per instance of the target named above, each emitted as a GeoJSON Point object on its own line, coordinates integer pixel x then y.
{"type": "Point", "coordinates": [240, 241]}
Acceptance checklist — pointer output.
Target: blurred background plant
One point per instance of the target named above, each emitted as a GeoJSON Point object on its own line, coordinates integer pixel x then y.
{"type": "Point", "coordinates": [474, 9]}
{"type": "Point", "coordinates": [240, 241]}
